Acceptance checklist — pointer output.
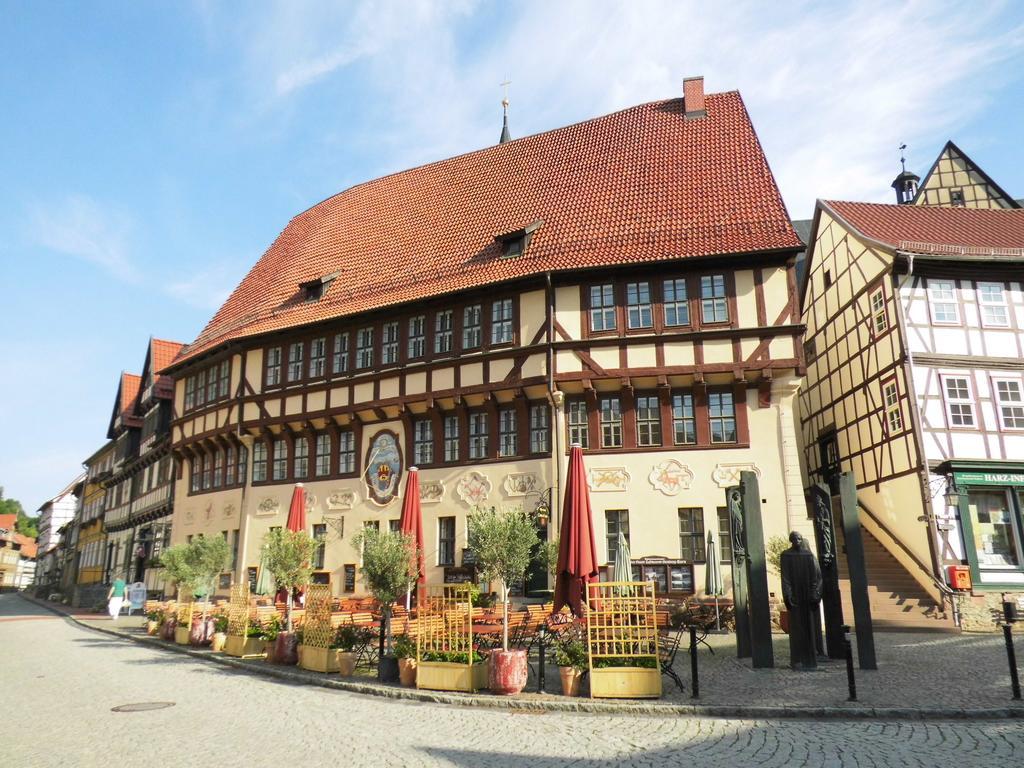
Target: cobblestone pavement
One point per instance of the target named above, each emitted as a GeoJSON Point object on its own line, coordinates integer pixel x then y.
{"type": "Point", "coordinates": [60, 693]}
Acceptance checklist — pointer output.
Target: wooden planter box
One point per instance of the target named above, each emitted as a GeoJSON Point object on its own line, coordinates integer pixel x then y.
{"type": "Point", "coordinates": [625, 683]}
{"type": "Point", "coordinates": [446, 676]}
{"type": "Point", "coordinates": [181, 635]}
{"type": "Point", "coordinates": [318, 659]}
{"type": "Point", "coordinates": [245, 647]}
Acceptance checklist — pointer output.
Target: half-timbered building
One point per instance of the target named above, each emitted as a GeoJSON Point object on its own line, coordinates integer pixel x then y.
{"type": "Point", "coordinates": [625, 283]}
{"type": "Point", "coordinates": [915, 337]}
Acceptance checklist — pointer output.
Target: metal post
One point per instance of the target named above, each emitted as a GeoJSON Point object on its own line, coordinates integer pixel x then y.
{"type": "Point", "coordinates": [1011, 657]}
{"type": "Point", "coordinates": [851, 682]}
{"type": "Point", "coordinates": [694, 679]}
{"type": "Point", "coordinates": [541, 636]}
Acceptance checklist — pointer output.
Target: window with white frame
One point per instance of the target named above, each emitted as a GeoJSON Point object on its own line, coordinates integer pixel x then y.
{"type": "Point", "coordinates": [1011, 403]}
{"type": "Point", "coordinates": [638, 305]}
{"type": "Point", "coordinates": [273, 366]}
{"type": "Point", "coordinates": [259, 462]}
{"type": "Point", "coordinates": [243, 459]}
{"type": "Point", "coordinates": [471, 327]}
{"type": "Point", "coordinates": [959, 405]}
{"type": "Point", "coordinates": [201, 387]}
{"type": "Point", "coordinates": [279, 468]}
{"type": "Point", "coordinates": [423, 442]}
{"type": "Point", "coordinates": [389, 348]}
{"type": "Point", "coordinates": [507, 433]}
{"type": "Point", "coordinates": [578, 423]}
{"type": "Point", "coordinates": [879, 314]}
{"type": "Point", "coordinates": [648, 420]}
{"type": "Point", "coordinates": [364, 348]}
{"type": "Point", "coordinates": [295, 361]}
{"type": "Point", "coordinates": [451, 438]}
{"type": "Point", "coordinates": [611, 422]}
{"type": "Point", "coordinates": [218, 468]}
{"type": "Point", "coordinates": [300, 464]}
{"type": "Point", "coordinates": [478, 435]}
{"type": "Point", "coordinates": [684, 423]}
{"type": "Point", "coordinates": [211, 385]}
{"type": "Point", "coordinates": [540, 430]}
{"type": "Point", "coordinates": [722, 417]}
{"type": "Point", "coordinates": [225, 378]}
{"type": "Point", "coordinates": [339, 359]}
{"type": "Point", "coordinates": [713, 305]}
{"type": "Point", "coordinates": [891, 404]}
{"type": "Point", "coordinates": [446, 541]}
{"type": "Point", "coordinates": [322, 465]}
{"type": "Point", "coordinates": [190, 393]}
{"type": "Point", "coordinates": [942, 302]}
{"type": "Point", "coordinates": [992, 302]}
{"type": "Point", "coordinates": [602, 307]}
{"type": "Point", "coordinates": [417, 336]}
{"type": "Point", "coordinates": [346, 452]}
{"type": "Point", "coordinates": [676, 303]}
{"type": "Point", "coordinates": [230, 467]}
{"type": "Point", "coordinates": [501, 321]}
{"type": "Point", "coordinates": [317, 357]}
{"type": "Point", "coordinates": [443, 332]}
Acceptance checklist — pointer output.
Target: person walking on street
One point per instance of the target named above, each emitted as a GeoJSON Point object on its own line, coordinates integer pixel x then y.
{"type": "Point", "coordinates": [115, 598]}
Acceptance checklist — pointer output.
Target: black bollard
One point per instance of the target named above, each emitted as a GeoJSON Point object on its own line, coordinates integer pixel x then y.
{"type": "Point", "coordinates": [541, 636]}
{"type": "Point", "coordinates": [851, 682]}
{"type": "Point", "coordinates": [694, 680]}
{"type": "Point", "coordinates": [1011, 657]}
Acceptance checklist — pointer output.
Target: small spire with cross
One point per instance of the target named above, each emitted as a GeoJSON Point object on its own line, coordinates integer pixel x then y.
{"type": "Point", "coordinates": [505, 135]}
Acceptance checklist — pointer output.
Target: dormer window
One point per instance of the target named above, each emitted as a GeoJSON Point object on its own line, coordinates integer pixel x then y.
{"type": "Point", "coordinates": [515, 243]}
{"type": "Point", "coordinates": [313, 290]}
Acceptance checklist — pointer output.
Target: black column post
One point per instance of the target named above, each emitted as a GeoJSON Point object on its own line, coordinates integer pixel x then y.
{"type": "Point", "coordinates": [734, 503]}
{"type": "Point", "coordinates": [858, 572]}
{"type": "Point", "coordinates": [762, 653]}
{"type": "Point", "coordinates": [825, 540]}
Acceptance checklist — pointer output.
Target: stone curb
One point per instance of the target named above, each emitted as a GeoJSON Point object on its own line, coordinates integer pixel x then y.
{"type": "Point", "coordinates": [586, 706]}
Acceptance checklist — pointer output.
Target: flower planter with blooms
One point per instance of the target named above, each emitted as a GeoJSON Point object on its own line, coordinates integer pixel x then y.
{"type": "Point", "coordinates": [153, 621]}
{"type": "Point", "coordinates": [220, 633]}
{"type": "Point", "coordinates": [503, 541]}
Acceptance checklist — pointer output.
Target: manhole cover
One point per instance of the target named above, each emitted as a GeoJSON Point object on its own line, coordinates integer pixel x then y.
{"type": "Point", "coordinates": [144, 706]}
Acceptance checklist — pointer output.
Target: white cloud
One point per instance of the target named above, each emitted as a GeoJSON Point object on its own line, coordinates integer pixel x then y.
{"type": "Point", "coordinates": [81, 227]}
{"type": "Point", "coordinates": [206, 288]}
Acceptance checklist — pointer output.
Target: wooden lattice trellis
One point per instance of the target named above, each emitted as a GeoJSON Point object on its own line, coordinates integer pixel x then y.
{"type": "Point", "coordinates": [317, 631]}
{"type": "Point", "coordinates": [444, 623]}
{"type": "Point", "coordinates": [238, 611]}
{"type": "Point", "coordinates": [621, 621]}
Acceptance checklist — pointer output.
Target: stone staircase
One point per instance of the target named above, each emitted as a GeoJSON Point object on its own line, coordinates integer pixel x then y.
{"type": "Point", "coordinates": [897, 601]}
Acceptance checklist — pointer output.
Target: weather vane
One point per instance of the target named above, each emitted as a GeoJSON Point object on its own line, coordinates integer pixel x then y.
{"type": "Point", "coordinates": [903, 159]}
{"type": "Point", "coordinates": [505, 84]}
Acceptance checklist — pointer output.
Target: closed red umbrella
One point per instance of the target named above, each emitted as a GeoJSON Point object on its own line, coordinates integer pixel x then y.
{"type": "Point", "coordinates": [297, 510]}
{"type": "Point", "coordinates": [577, 548]}
{"type": "Point", "coordinates": [411, 522]}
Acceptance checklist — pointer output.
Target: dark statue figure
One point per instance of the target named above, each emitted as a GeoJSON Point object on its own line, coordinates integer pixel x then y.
{"type": "Point", "coordinates": [739, 538]}
{"type": "Point", "coordinates": [801, 591]}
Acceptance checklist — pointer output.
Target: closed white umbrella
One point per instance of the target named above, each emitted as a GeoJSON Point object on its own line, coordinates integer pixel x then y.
{"type": "Point", "coordinates": [713, 584]}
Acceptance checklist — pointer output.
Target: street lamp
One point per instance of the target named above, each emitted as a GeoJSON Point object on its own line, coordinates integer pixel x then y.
{"type": "Point", "coordinates": [952, 494]}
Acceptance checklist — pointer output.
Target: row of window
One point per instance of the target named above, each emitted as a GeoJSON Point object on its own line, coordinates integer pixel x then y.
{"type": "Point", "coordinates": [961, 409]}
{"type": "Point", "coordinates": [944, 306]}
{"type": "Point", "coordinates": [647, 304]}
{"type": "Point", "coordinates": [420, 337]}
{"type": "Point", "coordinates": [207, 386]}
{"type": "Point", "coordinates": [223, 468]}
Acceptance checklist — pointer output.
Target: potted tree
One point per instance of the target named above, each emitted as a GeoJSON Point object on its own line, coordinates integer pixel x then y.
{"type": "Point", "coordinates": [389, 567]}
{"type": "Point", "coordinates": [503, 540]}
{"type": "Point", "coordinates": [571, 658]}
{"type": "Point", "coordinates": [178, 567]}
{"type": "Point", "coordinates": [288, 555]}
{"type": "Point", "coordinates": [208, 556]}
{"type": "Point", "coordinates": [405, 651]}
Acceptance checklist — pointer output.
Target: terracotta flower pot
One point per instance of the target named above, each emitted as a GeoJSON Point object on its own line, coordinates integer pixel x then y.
{"type": "Point", "coordinates": [286, 648]}
{"type": "Point", "coordinates": [346, 663]}
{"type": "Point", "coordinates": [507, 672]}
{"type": "Point", "coordinates": [167, 630]}
{"type": "Point", "coordinates": [218, 641]}
{"type": "Point", "coordinates": [407, 672]}
{"type": "Point", "coordinates": [571, 679]}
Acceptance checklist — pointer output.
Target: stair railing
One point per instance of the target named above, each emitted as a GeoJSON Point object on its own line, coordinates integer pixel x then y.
{"type": "Point", "coordinates": [947, 594]}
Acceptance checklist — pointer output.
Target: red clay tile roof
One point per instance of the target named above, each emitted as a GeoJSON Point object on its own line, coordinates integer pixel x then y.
{"type": "Point", "coordinates": [129, 391]}
{"type": "Point", "coordinates": [8, 521]}
{"type": "Point", "coordinates": [161, 355]}
{"type": "Point", "coordinates": [28, 545]}
{"type": "Point", "coordinates": [638, 185]}
{"type": "Point", "coordinates": [973, 228]}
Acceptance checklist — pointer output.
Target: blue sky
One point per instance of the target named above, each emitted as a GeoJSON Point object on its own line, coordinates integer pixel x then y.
{"type": "Point", "coordinates": [149, 152]}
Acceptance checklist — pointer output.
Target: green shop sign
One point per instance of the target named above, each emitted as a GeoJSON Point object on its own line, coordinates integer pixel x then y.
{"type": "Point", "coordinates": [989, 478]}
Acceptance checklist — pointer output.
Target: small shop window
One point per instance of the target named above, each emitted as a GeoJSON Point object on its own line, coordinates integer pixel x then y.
{"type": "Point", "coordinates": [996, 538]}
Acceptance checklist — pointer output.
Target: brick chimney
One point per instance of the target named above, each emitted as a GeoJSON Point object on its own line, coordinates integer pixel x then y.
{"type": "Point", "coordinates": [693, 97]}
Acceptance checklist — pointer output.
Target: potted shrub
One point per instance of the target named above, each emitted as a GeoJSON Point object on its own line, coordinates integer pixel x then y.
{"type": "Point", "coordinates": [348, 638]}
{"type": "Point", "coordinates": [177, 564]}
{"type": "Point", "coordinates": [207, 556]}
{"type": "Point", "coordinates": [390, 566]}
{"type": "Point", "coordinates": [220, 632]}
{"type": "Point", "coordinates": [405, 651]}
{"type": "Point", "coordinates": [153, 621]}
{"type": "Point", "coordinates": [503, 540]}
{"type": "Point", "coordinates": [571, 658]}
{"type": "Point", "coordinates": [270, 630]}
{"type": "Point", "coordinates": [288, 556]}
